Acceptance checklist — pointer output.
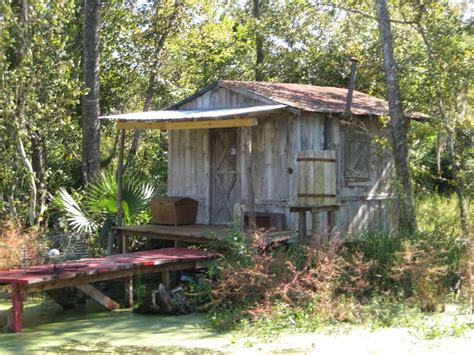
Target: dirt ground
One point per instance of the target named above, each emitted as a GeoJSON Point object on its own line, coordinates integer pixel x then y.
{"type": "Point", "coordinates": [50, 330]}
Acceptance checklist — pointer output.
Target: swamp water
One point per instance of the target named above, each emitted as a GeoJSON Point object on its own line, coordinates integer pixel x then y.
{"type": "Point", "coordinates": [49, 329]}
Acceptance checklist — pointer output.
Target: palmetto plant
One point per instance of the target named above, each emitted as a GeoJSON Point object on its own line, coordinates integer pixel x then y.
{"type": "Point", "coordinates": [98, 209]}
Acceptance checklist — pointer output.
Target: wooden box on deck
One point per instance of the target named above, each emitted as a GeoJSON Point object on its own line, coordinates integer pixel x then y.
{"type": "Point", "coordinates": [173, 210]}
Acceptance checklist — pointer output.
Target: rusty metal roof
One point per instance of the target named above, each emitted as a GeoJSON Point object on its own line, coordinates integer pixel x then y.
{"type": "Point", "coordinates": [306, 97]}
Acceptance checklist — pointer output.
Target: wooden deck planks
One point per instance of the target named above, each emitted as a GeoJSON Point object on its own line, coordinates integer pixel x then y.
{"type": "Point", "coordinates": [91, 266]}
{"type": "Point", "coordinates": [194, 233]}
{"type": "Point", "coordinates": [83, 272]}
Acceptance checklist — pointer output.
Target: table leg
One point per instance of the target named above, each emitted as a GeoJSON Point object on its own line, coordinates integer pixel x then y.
{"type": "Point", "coordinates": [17, 309]}
{"type": "Point", "coordinates": [302, 233]}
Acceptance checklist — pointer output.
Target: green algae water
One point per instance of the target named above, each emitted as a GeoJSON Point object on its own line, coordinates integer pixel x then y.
{"type": "Point", "coordinates": [49, 329]}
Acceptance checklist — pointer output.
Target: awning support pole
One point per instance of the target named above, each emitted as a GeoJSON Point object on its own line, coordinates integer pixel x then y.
{"type": "Point", "coordinates": [247, 138]}
{"type": "Point", "coordinates": [120, 184]}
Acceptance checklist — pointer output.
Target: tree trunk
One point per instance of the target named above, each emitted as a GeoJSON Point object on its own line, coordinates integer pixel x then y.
{"type": "Point", "coordinates": [90, 100]}
{"type": "Point", "coordinates": [450, 138]}
{"type": "Point", "coordinates": [38, 164]}
{"type": "Point", "coordinates": [22, 39]}
{"type": "Point", "coordinates": [152, 79]}
{"type": "Point", "coordinates": [399, 123]}
{"type": "Point", "coordinates": [139, 132]}
{"type": "Point", "coordinates": [465, 142]}
{"type": "Point", "coordinates": [257, 10]}
{"type": "Point", "coordinates": [32, 181]}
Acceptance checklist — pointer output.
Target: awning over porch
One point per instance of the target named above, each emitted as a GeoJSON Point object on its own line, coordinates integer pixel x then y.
{"type": "Point", "coordinates": [192, 119]}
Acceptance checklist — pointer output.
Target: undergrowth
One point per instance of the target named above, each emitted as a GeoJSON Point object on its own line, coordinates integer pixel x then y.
{"type": "Point", "coordinates": [375, 281]}
{"type": "Point", "coordinates": [13, 239]}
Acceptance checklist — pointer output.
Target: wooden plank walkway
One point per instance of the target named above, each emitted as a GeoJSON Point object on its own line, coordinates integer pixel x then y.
{"type": "Point", "coordinates": [81, 273]}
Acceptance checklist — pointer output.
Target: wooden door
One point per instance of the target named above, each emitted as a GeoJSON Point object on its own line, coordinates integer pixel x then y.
{"type": "Point", "coordinates": [225, 177]}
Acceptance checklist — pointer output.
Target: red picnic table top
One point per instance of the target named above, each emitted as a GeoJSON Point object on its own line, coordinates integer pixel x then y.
{"type": "Point", "coordinates": [90, 266]}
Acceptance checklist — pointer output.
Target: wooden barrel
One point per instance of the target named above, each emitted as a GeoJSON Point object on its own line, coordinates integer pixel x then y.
{"type": "Point", "coordinates": [317, 178]}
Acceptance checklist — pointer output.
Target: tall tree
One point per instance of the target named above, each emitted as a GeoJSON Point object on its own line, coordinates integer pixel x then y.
{"type": "Point", "coordinates": [162, 24]}
{"type": "Point", "coordinates": [259, 54]}
{"type": "Point", "coordinates": [39, 93]}
{"type": "Point", "coordinates": [399, 122]}
{"type": "Point", "coordinates": [444, 39]}
{"type": "Point", "coordinates": [90, 100]}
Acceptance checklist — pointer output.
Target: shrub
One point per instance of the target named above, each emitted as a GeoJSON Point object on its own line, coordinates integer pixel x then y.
{"type": "Point", "coordinates": [12, 240]}
{"type": "Point", "coordinates": [252, 277]}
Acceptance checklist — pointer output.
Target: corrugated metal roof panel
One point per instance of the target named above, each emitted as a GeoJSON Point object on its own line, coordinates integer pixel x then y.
{"type": "Point", "coordinates": [194, 115]}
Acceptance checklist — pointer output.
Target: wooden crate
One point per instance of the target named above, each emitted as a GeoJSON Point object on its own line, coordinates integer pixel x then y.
{"type": "Point", "coordinates": [317, 178]}
{"type": "Point", "coordinates": [173, 210]}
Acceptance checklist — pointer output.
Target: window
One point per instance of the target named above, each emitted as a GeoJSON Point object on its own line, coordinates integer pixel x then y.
{"type": "Point", "coordinates": [356, 156]}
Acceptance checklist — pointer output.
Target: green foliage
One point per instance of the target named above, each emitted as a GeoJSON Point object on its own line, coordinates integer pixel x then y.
{"type": "Point", "coordinates": [304, 41]}
{"type": "Point", "coordinates": [96, 211]}
{"type": "Point", "coordinates": [439, 225]}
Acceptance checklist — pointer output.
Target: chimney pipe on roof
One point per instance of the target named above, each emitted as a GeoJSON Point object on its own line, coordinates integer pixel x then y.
{"type": "Point", "coordinates": [350, 91]}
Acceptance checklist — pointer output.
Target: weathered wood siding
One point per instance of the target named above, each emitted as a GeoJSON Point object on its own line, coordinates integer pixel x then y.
{"type": "Point", "coordinates": [366, 205]}
{"type": "Point", "coordinates": [189, 157]}
{"type": "Point", "coordinates": [188, 168]}
{"type": "Point", "coordinates": [276, 142]}
{"type": "Point", "coordinates": [273, 165]}
{"type": "Point", "coordinates": [220, 98]}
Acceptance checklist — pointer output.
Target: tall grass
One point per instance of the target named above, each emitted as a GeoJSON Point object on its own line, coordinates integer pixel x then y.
{"type": "Point", "coordinates": [439, 224]}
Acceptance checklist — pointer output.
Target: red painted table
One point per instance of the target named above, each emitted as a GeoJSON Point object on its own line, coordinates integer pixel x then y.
{"type": "Point", "coordinates": [80, 273]}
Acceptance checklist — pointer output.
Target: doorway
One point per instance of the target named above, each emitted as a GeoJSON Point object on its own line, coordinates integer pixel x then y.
{"type": "Point", "coordinates": [225, 175]}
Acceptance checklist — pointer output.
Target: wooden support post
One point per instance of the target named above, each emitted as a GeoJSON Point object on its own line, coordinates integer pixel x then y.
{"type": "Point", "coordinates": [247, 139]}
{"type": "Point", "coordinates": [60, 298]}
{"type": "Point", "coordinates": [110, 242]}
{"type": "Point", "coordinates": [5, 317]}
{"type": "Point", "coordinates": [120, 182]}
{"type": "Point", "coordinates": [17, 308]}
{"type": "Point", "coordinates": [98, 296]}
{"type": "Point", "coordinates": [166, 279]}
{"type": "Point", "coordinates": [128, 288]}
{"type": "Point", "coordinates": [238, 217]}
{"type": "Point", "coordinates": [331, 217]}
{"type": "Point", "coordinates": [125, 243]}
{"type": "Point", "coordinates": [302, 233]}
{"type": "Point", "coordinates": [315, 223]}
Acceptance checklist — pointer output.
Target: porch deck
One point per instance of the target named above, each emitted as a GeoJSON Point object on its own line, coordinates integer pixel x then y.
{"type": "Point", "coordinates": [193, 233]}
{"type": "Point", "coordinates": [83, 272]}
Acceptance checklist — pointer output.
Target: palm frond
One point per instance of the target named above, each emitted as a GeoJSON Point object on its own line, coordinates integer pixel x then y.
{"type": "Point", "coordinates": [100, 201]}
{"type": "Point", "coordinates": [74, 214]}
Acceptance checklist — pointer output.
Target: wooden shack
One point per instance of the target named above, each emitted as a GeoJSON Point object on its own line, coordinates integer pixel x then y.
{"type": "Point", "coordinates": [274, 147]}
